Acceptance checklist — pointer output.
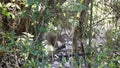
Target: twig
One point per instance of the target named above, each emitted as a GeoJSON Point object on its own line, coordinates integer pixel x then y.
{"type": "Point", "coordinates": [15, 56]}
{"type": "Point", "coordinates": [95, 23]}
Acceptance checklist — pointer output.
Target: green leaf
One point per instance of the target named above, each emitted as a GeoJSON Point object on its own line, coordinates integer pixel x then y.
{"type": "Point", "coordinates": [83, 7]}
{"type": "Point", "coordinates": [31, 2]}
{"type": "Point", "coordinates": [42, 29]}
{"type": "Point", "coordinates": [8, 5]}
{"type": "Point", "coordinates": [0, 24]}
{"type": "Point", "coordinates": [64, 60]}
{"type": "Point", "coordinates": [13, 0]}
{"type": "Point", "coordinates": [79, 7]}
{"type": "Point", "coordinates": [1, 5]}
{"type": "Point", "coordinates": [28, 34]}
{"type": "Point", "coordinates": [81, 1]}
{"type": "Point", "coordinates": [13, 16]}
{"type": "Point", "coordinates": [38, 1]}
{"type": "Point", "coordinates": [4, 11]}
{"type": "Point", "coordinates": [17, 6]}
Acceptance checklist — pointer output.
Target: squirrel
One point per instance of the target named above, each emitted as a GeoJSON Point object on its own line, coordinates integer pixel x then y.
{"type": "Point", "coordinates": [52, 38]}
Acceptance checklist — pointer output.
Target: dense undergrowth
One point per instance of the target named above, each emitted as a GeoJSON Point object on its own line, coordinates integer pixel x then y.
{"type": "Point", "coordinates": [25, 41]}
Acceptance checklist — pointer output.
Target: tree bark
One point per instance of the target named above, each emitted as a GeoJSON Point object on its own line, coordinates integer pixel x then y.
{"type": "Point", "coordinates": [78, 32]}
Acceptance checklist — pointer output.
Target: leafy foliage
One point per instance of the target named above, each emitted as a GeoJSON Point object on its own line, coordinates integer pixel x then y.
{"type": "Point", "coordinates": [24, 25]}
